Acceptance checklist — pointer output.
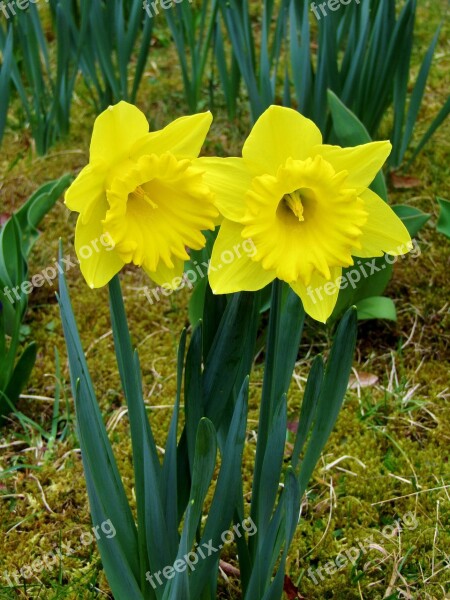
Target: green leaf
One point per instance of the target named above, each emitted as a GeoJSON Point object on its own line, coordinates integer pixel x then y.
{"type": "Point", "coordinates": [5, 80]}
{"type": "Point", "coordinates": [332, 394]}
{"type": "Point", "coordinates": [19, 378]}
{"type": "Point", "coordinates": [197, 301]}
{"type": "Point", "coordinates": [377, 307]}
{"type": "Point", "coordinates": [231, 354]}
{"type": "Point", "coordinates": [351, 132]}
{"type": "Point", "coordinates": [203, 470]}
{"type": "Point", "coordinates": [13, 272]}
{"type": "Point", "coordinates": [225, 495]}
{"type": "Point", "coordinates": [413, 218]}
{"type": "Point", "coordinates": [142, 440]}
{"type": "Point", "coordinates": [417, 95]}
{"type": "Point", "coordinates": [271, 466]}
{"type": "Point", "coordinates": [170, 471]}
{"type": "Point", "coordinates": [437, 122]}
{"type": "Point", "coordinates": [285, 329]}
{"type": "Point", "coordinates": [365, 279]}
{"type": "Point", "coordinates": [107, 497]}
{"type": "Point", "coordinates": [204, 464]}
{"type": "Point", "coordinates": [193, 392]}
{"type": "Point", "coordinates": [267, 549]}
{"type": "Point", "coordinates": [309, 406]}
{"type": "Point", "coordinates": [443, 224]}
{"type": "Point", "coordinates": [37, 206]}
{"type": "Point", "coordinates": [290, 502]}
{"type": "Point", "coordinates": [13, 268]}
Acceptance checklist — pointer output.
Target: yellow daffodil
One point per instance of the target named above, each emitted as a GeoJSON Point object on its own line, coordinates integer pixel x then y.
{"type": "Point", "coordinates": [305, 205]}
{"type": "Point", "coordinates": [142, 193]}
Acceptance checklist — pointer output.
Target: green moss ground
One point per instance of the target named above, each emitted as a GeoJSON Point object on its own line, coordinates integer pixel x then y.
{"type": "Point", "coordinates": [387, 457]}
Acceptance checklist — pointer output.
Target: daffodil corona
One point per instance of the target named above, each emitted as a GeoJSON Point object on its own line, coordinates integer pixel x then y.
{"type": "Point", "coordinates": [143, 191]}
{"type": "Point", "coordinates": [305, 205]}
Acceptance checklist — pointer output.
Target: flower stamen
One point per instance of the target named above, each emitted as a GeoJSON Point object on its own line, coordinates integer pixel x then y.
{"type": "Point", "coordinates": [140, 194]}
{"type": "Point", "coordinates": [299, 203]}
{"type": "Point", "coordinates": [293, 201]}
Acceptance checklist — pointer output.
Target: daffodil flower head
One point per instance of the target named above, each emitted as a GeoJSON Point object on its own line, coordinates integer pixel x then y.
{"type": "Point", "coordinates": [306, 207]}
{"type": "Point", "coordinates": [142, 192]}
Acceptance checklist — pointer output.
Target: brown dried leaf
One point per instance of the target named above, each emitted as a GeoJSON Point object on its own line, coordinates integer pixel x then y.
{"type": "Point", "coordinates": [3, 218]}
{"type": "Point", "coordinates": [291, 590]}
{"type": "Point", "coordinates": [404, 182]}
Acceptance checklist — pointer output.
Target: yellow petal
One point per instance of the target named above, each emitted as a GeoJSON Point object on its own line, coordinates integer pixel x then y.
{"type": "Point", "coordinates": [278, 134]}
{"type": "Point", "coordinates": [116, 130]}
{"type": "Point", "coordinates": [87, 190]}
{"type": "Point", "coordinates": [166, 276]}
{"type": "Point", "coordinates": [320, 296]}
{"type": "Point", "coordinates": [230, 180]}
{"type": "Point", "coordinates": [98, 260]}
{"type": "Point", "coordinates": [383, 231]}
{"type": "Point", "coordinates": [183, 137]}
{"type": "Point", "coordinates": [231, 268]}
{"type": "Point", "coordinates": [362, 162]}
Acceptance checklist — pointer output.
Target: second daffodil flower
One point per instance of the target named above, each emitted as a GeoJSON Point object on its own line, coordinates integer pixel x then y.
{"type": "Point", "coordinates": [141, 192]}
{"type": "Point", "coordinates": [305, 205]}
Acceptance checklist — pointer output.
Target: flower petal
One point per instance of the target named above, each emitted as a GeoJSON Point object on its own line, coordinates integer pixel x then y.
{"type": "Point", "coordinates": [116, 130]}
{"type": "Point", "coordinates": [383, 231]}
{"type": "Point", "coordinates": [231, 268]}
{"type": "Point", "coordinates": [278, 134]}
{"type": "Point", "coordinates": [99, 262]}
{"type": "Point", "coordinates": [184, 138]}
{"type": "Point", "coordinates": [230, 180]}
{"type": "Point", "coordinates": [167, 276]}
{"type": "Point", "coordinates": [87, 190]}
{"type": "Point", "coordinates": [362, 162]}
{"type": "Point", "coordinates": [320, 296]}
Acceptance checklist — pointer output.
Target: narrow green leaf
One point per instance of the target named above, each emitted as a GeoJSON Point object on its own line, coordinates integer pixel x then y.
{"type": "Point", "coordinates": [5, 80]}
{"type": "Point", "coordinates": [308, 409]}
{"type": "Point", "coordinates": [271, 466]}
{"type": "Point", "coordinates": [102, 476]}
{"type": "Point", "coordinates": [170, 471]}
{"type": "Point", "coordinates": [417, 95]}
{"type": "Point", "coordinates": [224, 499]}
{"type": "Point", "coordinates": [351, 132]}
{"type": "Point", "coordinates": [143, 444]}
{"type": "Point", "coordinates": [439, 119]}
{"type": "Point", "coordinates": [412, 218]}
{"type": "Point", "coordinates": [443, 224]}
{"type": "Point", "coordinates": [230, 352]}
{"type": "Point", "coordinates": [19, 378]}
{"type": "Point", "coordinates": [332, 394]}
{"type": "Point", "coordinates": [285, 329]}
{"type": "Point", "coordinates": [193, 391]}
